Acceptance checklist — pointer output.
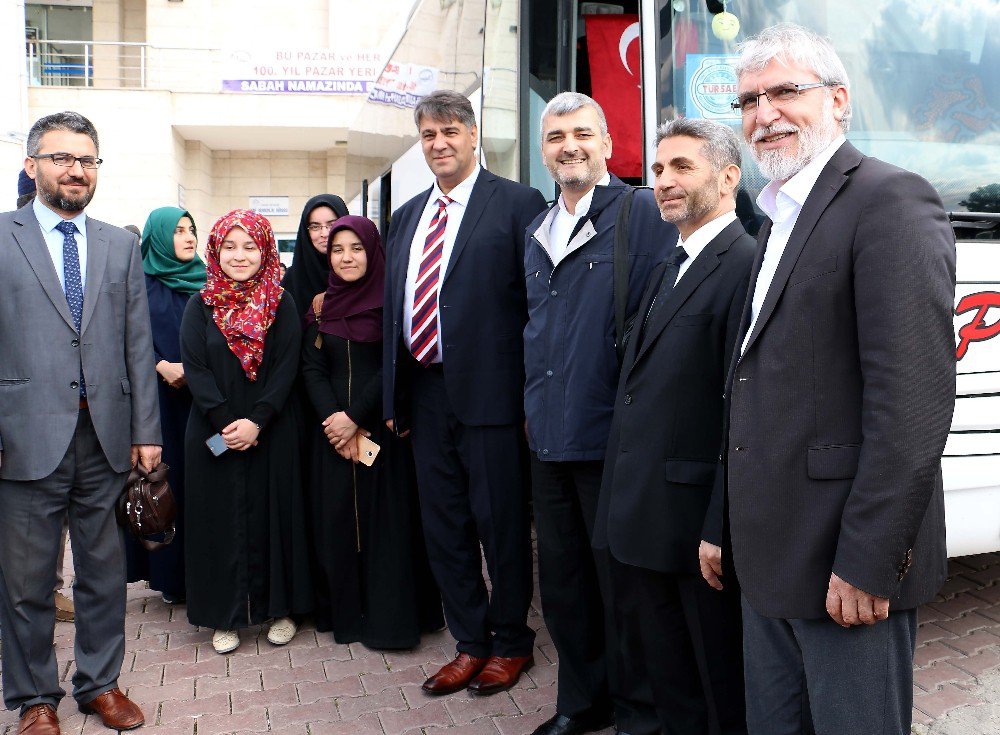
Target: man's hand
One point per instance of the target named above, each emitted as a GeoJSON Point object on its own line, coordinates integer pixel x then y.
{"type": "Point", "coordinates": [339, 429]}
{"type": "Point", "coordinates": [350, 451]}
{"type": "Point", "coordinates": [148, 455]}
{"type": "Point", "coordinates": [172, 373]}
{"type": "Point", "coordinates": [710, 559]}
{"type": "Point", "coordinates": [848, 605]}
{"type": "Point", "coordinates": [391, 425]}
{"type": "Point", "coordinates": [241, 434]}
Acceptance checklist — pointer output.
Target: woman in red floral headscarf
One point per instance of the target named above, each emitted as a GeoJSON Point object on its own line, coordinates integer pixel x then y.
{"type": "Point", "coordinates": [245, 548]}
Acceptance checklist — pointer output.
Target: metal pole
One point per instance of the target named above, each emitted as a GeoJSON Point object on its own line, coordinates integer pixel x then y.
{"type": "Point", "coordinates": [364, 197]}
{"type": "Point", "coordinates": [86, 65]}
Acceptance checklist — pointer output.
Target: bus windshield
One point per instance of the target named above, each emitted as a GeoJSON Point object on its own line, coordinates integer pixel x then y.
{"type": "Point", "coordinates": [925, 80]}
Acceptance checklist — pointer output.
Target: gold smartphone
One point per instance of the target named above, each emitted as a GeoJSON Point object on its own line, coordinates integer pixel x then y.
{"type": "Point", "coordinates": [367, 450]}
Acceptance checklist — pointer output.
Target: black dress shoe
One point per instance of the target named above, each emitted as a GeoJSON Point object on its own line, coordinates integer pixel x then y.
{"type": "Point", "coordinates": [563, 725]}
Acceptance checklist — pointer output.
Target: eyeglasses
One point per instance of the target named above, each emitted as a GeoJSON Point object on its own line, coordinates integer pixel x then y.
{"type": "Point", "coordinates": [68, 160]}
{"type": "Point", "coordinates": [779, 95]}
{"type": "Point", "coordinates": [314, 227]}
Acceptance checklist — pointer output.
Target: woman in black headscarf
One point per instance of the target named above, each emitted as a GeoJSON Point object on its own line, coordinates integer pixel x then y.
{"type": "Point", "coordinates": [308, 273]}
{"type": "Point", "coordinates": [373, 583]}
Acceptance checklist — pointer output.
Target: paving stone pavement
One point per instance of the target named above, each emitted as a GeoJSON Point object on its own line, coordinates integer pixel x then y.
{"type": "Point", "coordinates": [314, 686]}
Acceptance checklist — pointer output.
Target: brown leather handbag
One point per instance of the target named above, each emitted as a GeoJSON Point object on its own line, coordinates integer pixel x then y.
{"type": "Point", "coordinates": [147, 507]}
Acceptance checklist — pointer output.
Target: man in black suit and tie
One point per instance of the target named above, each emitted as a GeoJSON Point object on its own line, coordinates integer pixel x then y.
{"type": "Point", "coordinates": [841, 397]}
{"type": "Point", "coordinates": [454, 376]}
{"type": "Point", "coordinates": [665, 438]}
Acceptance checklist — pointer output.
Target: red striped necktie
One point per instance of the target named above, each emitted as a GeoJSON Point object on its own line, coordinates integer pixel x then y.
{"type": "Point", "coordinates": [424, 330]}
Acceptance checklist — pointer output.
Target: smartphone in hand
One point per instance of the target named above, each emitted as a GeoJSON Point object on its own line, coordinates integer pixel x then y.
{"type": "Point", "coordinates": [216, 444]}
{"type": "Point", "coordinates": [367, 450]}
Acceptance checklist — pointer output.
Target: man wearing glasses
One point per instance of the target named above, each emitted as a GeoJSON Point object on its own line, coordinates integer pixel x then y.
{"type": "Point", "coordinates": [840, 400]}
{"type": "Point", "coordinates": [78, 409]}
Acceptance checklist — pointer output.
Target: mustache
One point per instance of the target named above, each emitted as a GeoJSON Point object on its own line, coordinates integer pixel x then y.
{"type": "Point", "coordinates": [578, 156]}
{"type": "Point", "coordinates": [670, 194]}
{"type": "Point", "coordinates": [760, 133]}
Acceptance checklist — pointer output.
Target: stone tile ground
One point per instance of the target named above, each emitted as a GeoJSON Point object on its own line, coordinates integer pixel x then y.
{"type": "Point", "coordinates": [315, 687]}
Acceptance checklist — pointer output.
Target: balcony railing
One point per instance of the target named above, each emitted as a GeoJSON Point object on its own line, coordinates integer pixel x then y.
{"type": "Point", "coordinates": [113, 65]}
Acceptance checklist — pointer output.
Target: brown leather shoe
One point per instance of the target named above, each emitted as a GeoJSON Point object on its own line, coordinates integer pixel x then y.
{"type": "Point", "coordinates": [39, 719]}
{"type": "Point", "coordinates": [499, 674]}
{"type": "Point", "coordinates": [65, 610]}
{"type": "Point", "coordinates": [116, 711]}
{"type": "Point", "coordinates": [455, 675]}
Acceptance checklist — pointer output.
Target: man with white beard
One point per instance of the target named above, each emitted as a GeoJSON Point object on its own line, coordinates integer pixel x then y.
{"type": "Point", "coordinates": [840, 401]}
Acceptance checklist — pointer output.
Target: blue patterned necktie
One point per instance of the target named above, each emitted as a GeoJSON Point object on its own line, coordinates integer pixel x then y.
{"type": "Point", "coordinates": [72, 281]}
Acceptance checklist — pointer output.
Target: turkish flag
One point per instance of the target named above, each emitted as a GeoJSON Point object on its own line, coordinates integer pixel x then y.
{"type": "Point", "coordinates": [613, 47]}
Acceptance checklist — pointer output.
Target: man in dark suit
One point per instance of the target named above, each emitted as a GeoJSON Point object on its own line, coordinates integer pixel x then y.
{"type": "Point", "coordinates": [841, 398]}
{"type": "Point", "coordinates": [78, 409]}
{"type": "Point", "coordinates": [665, 438]}
{"type": "Point", "coordinates": [454, 377]}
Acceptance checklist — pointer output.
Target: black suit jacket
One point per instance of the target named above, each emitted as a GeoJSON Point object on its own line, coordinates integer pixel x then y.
{"type": "Point", "coordinates": [841, 404]}
{"type": "Point", "coordinates": [667, 426]}
{"type": "Point", "coordinates": [482, 305]}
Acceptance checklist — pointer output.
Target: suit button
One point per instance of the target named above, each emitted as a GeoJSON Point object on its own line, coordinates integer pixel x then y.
{"type": "Point", "coordinates": [723, 396]}
{"type": "Point", "coordinates": [739, 449]}
{"type": "Point", "coordinates": [548, 373]}
{"type": "Point", "coordinates": [628, 399]}
{"type": "Point", "coordinates": [75, 385]}
{"type": "Point", "coordinates": [553, 292]}
{"type": "Point", "coordinates": [75, 343]}
{"type": "Point", "coordinates": [545, 451]}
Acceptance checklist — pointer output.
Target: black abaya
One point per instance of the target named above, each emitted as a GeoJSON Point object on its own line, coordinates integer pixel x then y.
{"type": "Point", "coordinates": [164, 568]}
{"type": "Point", "coordinates": [373, 582]}
{"type": "Point", "coordinates": [246, 544]}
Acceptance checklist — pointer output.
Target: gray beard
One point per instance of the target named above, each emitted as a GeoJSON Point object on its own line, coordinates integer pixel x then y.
{"type": "Point", "coordinates": [779, 166]}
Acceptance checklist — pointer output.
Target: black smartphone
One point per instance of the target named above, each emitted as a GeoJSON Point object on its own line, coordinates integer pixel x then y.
{"type": "Point", "coordinates": [216, 444]}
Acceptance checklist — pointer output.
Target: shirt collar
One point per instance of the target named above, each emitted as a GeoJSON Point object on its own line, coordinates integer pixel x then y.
{"type": "Point", "coordinates": [701, 237]}
{"type": "Point", "coordinates": [460, 193]}
{"type": "Point", "coordinates": [775, 198]}
{"type": "Point", "coordinates": [49, 219]}
{"type": "Point", "coordinates": [583, 206]}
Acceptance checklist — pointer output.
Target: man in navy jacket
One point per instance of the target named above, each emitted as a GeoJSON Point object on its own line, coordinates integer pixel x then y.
{"type": "Point", "coordinates": [572, 372]}
{"type": "Point", "coordinates": [453, 317]}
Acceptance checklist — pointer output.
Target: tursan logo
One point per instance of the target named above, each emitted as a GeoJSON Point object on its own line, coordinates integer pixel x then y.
{"type": "Point", "coordinates": [713, 87]}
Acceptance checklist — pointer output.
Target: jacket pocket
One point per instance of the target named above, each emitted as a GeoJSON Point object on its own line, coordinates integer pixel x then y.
{"type": "Point", "coordinates": [113, 287]}
{"type": "Point", "coordinates": [689, 471]}
{"type": "Point", "coordinates": [14, 381]}
{"type": "Point", "coordinates": [691, 320]}
{"type": "Point", "coordinates": [833, 462]}
{"type": "Point", "coordinates": [813, 270]}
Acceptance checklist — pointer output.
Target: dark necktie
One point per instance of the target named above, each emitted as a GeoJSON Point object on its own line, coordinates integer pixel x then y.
{"type": "Point", "coordinates": [674, 260]}
{"type": "Point", "coordinates": [72, 281]}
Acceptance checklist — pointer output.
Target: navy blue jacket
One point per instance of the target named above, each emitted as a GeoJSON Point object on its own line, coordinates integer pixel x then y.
{"type": "Point", "coordinates": [481, 300]}
{"type": "Point", "coordinates": [569, 342]}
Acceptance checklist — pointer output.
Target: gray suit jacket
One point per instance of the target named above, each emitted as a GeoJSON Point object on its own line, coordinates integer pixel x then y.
{"type": "Point", "coordinates": [40, 351]}
{"type": "Point", "coordinates": [841, 404]}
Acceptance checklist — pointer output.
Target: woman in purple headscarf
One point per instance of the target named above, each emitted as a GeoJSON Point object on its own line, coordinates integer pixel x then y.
{"type": "Point", "coordinates": [373, 585]}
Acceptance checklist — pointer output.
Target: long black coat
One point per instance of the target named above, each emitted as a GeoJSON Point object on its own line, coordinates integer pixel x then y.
{"type": "Point", "coordinates": [246, 543]}
{"type": "Point", "coordinates": [842, 401]}
{"type": "Point", "coordinates": [164, 568]}
{"type": "Point", "coordinates": [667, 426]}
{"type": "Point", "coordinates": [373, 581]}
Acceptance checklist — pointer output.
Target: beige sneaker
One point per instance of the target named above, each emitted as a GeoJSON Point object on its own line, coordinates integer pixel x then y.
{"type": "Point", "coordinates": [65, 610]}
{"type": "Point", "coordinates": [282, 631]}
{"type": "Point", "coordinates": [224, 641]}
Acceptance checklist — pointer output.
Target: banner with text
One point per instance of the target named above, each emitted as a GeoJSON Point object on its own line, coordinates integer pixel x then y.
{"type": "Point", "coordinates": [402, 85]}
{"type": "Point", "coordinates": [321, 71]}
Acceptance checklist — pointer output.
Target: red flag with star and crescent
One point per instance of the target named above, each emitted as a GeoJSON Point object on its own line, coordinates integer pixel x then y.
{"type": "Point", "coordinates": [615, 73]}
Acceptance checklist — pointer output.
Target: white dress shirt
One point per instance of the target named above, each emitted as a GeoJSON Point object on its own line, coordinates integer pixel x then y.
{"type": "Point", "coordinates": [700, 238]}
{"type": "Point", "coordinates": [456, 210]}
{"type": "Point", "coordinates": [563, 223]}
{"type": "Point", "coordinates": [782, 203]}
{"type": "Point", "coordinates": [47, 221]}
